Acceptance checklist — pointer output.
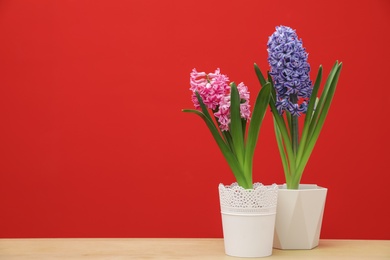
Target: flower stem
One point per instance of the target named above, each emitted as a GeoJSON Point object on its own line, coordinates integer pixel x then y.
{"type": "Point", "coordinates": [294, 126]}
{"type": "Point", "coordinates": [294, 141]}
{"type": "Point", "coordinates": [294, 134]}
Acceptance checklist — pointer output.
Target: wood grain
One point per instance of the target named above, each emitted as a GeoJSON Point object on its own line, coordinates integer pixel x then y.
{"type": "Point", "coordinates": [146, 248]}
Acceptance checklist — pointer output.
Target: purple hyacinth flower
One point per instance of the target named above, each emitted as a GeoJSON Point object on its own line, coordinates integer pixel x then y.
{"type": "Point", "coordinates": [289, 70]}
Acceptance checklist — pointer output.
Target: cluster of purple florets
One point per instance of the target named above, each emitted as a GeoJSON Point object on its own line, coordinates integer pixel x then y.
{"type": "Point", "coordinates": [289, 70]}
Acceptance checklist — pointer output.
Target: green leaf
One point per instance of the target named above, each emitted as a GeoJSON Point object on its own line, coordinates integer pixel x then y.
{"type": "Point", "coordinates": [225, 134]}
{"type": "Point", "coordinates": [236, 124]}
{"type": "Point", "coordinates": [314, 93]}
{"type": "Point", "coordinates": [204, 108]}
{"type": "Point", "coordinates": [259, 75]}
{"type": "Point", "coordinates": [320, 104]}
{"type": "Point", "coordinates": [259, 111]}
{"type": "Point", "coordinates": [328, 82]}
{"type": "Point", "coordinates": [270, 79]}
{"type": "Point", "coordinates": [243, 123]}
{"type": "Point", "coordinates": [282, 152]}
{"type": "Point", "coordinates": [228, 139]}
{"type": "Point", "coordinates": [309, 115]}
{"type": "Point", "coordinates": [227, 153]}
{"type": "Point", "coordinates": [229, 156]}
{"type": "Point", "coordinates": [284, 133]}
{"type": "Point", "coordinates": [327, 100]}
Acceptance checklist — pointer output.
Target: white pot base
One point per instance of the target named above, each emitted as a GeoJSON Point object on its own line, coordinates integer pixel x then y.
{"type": "Point", "coordinates": [248, 236]}
{"type": "Point", "coordinates": [248, 219]}
{"type": "Point", "coordinates": [299, 217]}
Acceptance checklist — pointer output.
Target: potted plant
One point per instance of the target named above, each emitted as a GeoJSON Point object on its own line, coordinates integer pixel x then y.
{"type": "Point", "coordinates": [300, 206]}
{"type": "Point", "coordinates": [247, 209]}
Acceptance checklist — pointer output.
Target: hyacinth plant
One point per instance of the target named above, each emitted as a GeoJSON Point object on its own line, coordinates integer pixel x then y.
{"type": "Point", "coordinates": [293, 96]}
{"type": "Point", "coordinates": [225, 109]}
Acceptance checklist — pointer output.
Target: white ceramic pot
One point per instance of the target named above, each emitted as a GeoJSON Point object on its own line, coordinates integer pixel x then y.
{"type": "Point", "coordinates": [248, 219]}
{"type": "Point", "coordinates": [299, 217]}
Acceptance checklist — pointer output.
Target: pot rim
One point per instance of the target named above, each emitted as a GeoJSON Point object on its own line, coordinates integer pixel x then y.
{"type": "Point", "coordinates": [302, 188]}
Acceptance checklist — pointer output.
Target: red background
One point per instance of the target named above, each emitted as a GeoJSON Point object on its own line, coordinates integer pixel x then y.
{"type": "Point", "coordinates": [93, 142]}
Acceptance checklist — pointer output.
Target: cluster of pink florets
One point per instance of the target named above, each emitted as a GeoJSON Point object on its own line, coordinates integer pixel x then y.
{"type": "Point", "coordinates": [214, 90]}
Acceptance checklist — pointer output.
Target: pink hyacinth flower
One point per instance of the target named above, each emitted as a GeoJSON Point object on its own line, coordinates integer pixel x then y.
{"type": "Point", "coordinates": [214, 90]}
{"type": "Point", "coordinates": [244, 95]}
{"type": "Point", "coordinates": [223, 113]}
{"type": "Point", "coordinates": [211, 87]}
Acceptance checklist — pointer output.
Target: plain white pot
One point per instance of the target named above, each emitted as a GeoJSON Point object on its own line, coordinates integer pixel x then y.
{"type": "Point", "coordinates": [248, 219]}
{"type": "Point", "coordinates": [299, 216]}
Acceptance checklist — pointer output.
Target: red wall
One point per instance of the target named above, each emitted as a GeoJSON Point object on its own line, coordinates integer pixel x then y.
{"type": "Point", "coordinates": [93, 142]}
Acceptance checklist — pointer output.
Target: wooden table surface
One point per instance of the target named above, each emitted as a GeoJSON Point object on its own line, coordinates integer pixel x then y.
{"type": "Point", "coordinates": [185, 248]}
